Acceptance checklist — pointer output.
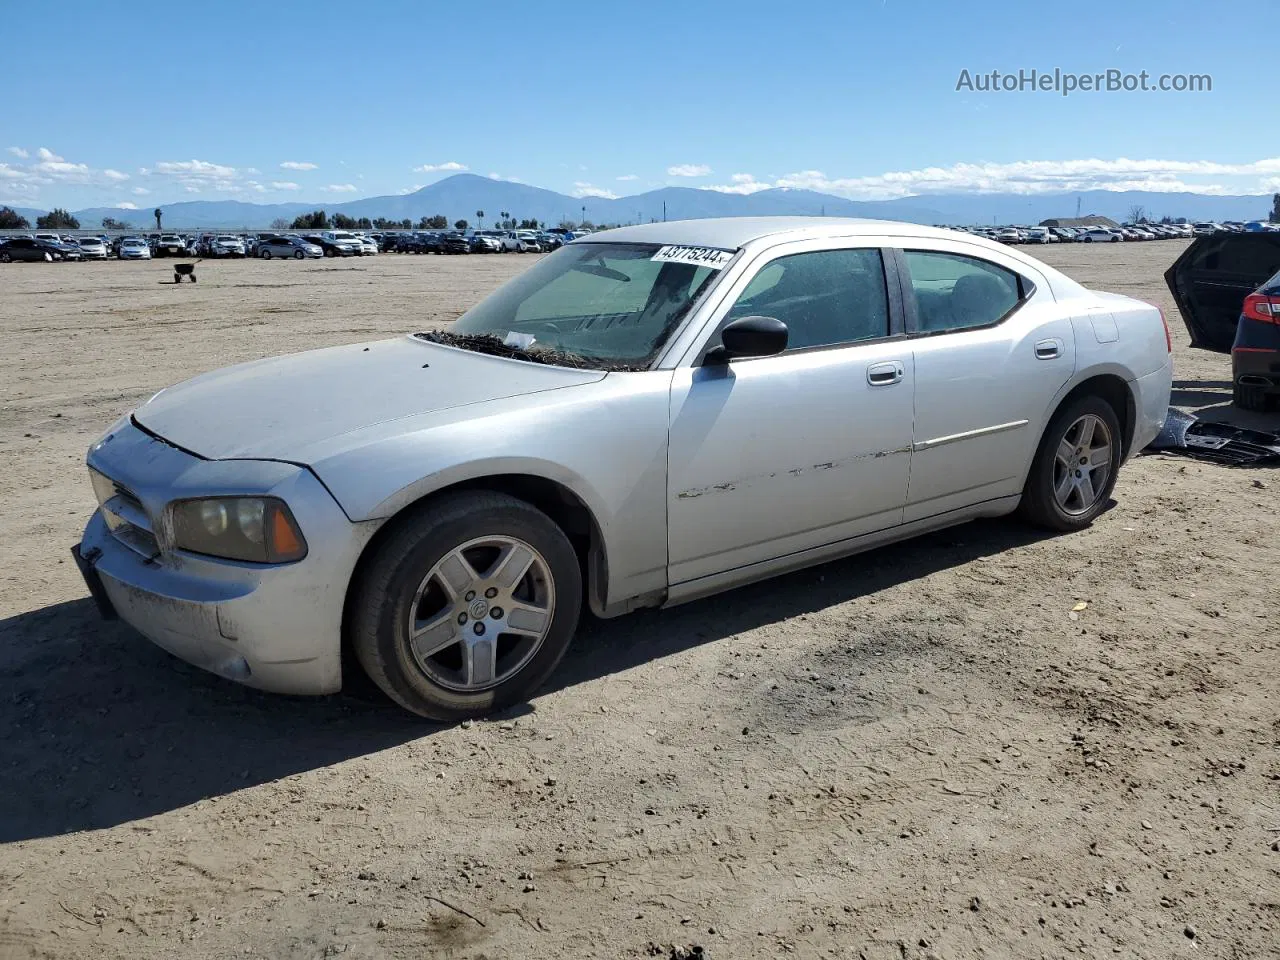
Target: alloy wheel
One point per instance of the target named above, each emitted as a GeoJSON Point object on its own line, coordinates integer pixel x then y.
{"type": "Point", "coordinates": [1082, 465]}
{"type": "Point", "coordinates": [481, 613]}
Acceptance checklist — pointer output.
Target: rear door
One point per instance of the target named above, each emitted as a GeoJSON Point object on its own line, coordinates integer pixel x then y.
{"type": "Point", "coordinates": [990, 351]}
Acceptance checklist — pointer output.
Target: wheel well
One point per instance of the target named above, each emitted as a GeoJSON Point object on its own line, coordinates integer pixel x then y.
{"type": "Point", "coordinates": [1116, 392]}
{"type": "Point", "coordinates": [557, 501]}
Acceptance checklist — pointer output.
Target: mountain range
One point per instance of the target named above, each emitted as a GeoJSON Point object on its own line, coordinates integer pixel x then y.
{"type": "Point", "coordinates": [461, 195]}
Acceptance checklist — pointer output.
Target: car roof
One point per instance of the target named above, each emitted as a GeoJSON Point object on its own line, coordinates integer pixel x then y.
{"type": "Point", "coordinates": [730, 233]}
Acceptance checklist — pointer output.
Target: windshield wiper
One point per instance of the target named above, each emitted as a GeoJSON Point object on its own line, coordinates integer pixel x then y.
{"type": "Point", "coordinates": [497, 347]}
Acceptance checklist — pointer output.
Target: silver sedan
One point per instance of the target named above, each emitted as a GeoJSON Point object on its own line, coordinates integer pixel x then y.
{"type": "Point", "coordinates": [647, 416]}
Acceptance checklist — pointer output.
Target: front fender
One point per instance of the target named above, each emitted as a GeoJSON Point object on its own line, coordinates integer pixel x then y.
{"type": "Point", "coordinates": [605, 441]}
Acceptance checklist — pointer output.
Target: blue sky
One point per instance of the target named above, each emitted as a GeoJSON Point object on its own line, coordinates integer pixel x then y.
{"type": "Point", "coordinates": [145, 102]}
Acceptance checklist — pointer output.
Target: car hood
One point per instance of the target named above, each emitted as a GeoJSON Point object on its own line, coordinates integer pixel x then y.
{"type": "Point", "coordinates": [277, 409]}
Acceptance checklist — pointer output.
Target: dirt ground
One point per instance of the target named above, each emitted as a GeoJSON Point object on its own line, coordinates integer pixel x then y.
{"type": "Point", "coordinates": [920, 752]}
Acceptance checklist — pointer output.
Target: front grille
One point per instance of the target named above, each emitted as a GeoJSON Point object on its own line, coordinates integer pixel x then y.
{"type": "Point", "coordinates": [125, 516]}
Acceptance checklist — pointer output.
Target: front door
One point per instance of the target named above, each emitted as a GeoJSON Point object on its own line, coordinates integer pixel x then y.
{"type": "Point", "coordinates": [775, 455]}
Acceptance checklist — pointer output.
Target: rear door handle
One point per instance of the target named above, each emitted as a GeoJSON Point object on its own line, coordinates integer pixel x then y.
{"type": "Point", "coordinates": [885, 373]}
{"type": "Point", "coordinates": [1049, 349]}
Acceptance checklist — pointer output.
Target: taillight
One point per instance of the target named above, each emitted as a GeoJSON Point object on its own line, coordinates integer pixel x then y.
{"type": "Point", "coordinates": [1263, 309]}
{"type": "Point", "coordinates": [1168, 338]}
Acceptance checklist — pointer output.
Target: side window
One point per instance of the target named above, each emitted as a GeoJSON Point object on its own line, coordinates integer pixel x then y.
{"type": "Point", "coordinates": [825, 297]}
{"type": "Point", "coordinates": [955, 292]}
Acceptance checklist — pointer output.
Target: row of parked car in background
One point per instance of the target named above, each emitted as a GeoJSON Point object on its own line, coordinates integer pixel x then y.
{"type": "Point", "coordinates": [1107, 233]}
{"type": "Point", "coordinates": [285, 246]}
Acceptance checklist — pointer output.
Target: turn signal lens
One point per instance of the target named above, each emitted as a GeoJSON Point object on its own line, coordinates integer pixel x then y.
{"type": "Point", "coordinates": [253, 529]}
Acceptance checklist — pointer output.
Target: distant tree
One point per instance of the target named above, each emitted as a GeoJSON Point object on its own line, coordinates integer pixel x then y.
{"type": "Point", "coordinates": [342, 222]}
{"type": "Point", "coordinates": [1137, 213]}
{"type": "Point", "coordinates": [1275, 208]}
{"type": "Point", "coordinates": [533, 225]}
{"type": "Point", "coordinates": [11, 220]}
{"type": "Point", "coordinates": [506, 219]}
{"type": "Point", "coordinates": [57, 219]}
{"type": "Point", "coordinates": [406, 224]}
{"type": "Point", "coordinates": [459, 225]}
{"type": "Point", "coordinates": [364, 223]}
{"type": "Point", "coordinates": [315, 220]}
{"type": "Point", "coordinates": [279, 223]}
{"type": "Point", "coordinates": [111, 223]}
{"type": "Point", "coordinates": [438, 221]}
{"type": "Point", "coordinates": [1166, 219]}
{"type": "Point", "coordinates": [480, 218]}
{"type": "Point", "coordinates": [158, 213]}
{"type": "Point", "coordinates": [565, 224]}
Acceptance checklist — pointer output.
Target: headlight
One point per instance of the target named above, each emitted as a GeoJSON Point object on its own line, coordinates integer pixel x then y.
{"type": "Point", "coordinates": [256, 529]}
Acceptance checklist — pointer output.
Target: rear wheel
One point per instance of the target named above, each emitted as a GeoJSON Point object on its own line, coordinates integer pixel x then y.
{"type": "Point", "coordinates": [297, 254]}
{"type": "Point", "coordinates": [1249, 396]}
{"type": "Point", "coordinates": [468, 606]}
{"type": "Point", "coordinates": [1075, 467]}
{"type": "Point", "coordinates": [266, 254]}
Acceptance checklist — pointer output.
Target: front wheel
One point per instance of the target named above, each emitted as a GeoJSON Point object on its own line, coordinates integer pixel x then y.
{"type": "Point", "coordinates": [298, 254]}
{"type": "Point", "coordinates": [265, 255]}
{"type": "Point", "coordinates": [468, 606]}
{"type": "Point", "coordinates": [1075, 467]}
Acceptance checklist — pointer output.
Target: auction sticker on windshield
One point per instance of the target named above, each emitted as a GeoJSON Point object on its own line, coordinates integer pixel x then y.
{"type": "Point", "coordinates": [698, 256]}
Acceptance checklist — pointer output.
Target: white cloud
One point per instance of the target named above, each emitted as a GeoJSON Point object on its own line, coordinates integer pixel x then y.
{"type": "Point", "coordinates": [340, 188]}
{"type": "Point", "coordinates": [741, 183]}
{"type": "Point", "coordinates": [627, 176]}
{"type": "Point", "coordinates": [298, 165]}
{"type": "Point", "coordinates": [19, 153]}
{"type": "Point", "coordinates": [451, 166]}
{"type": "Point", "coordinates": [1029, 177]}
{"type": "Point", "coordinates": [44, 153]}
{"type": "Point", "coordinates": [114, 175]}
{"type": "Point", "coordinates": [688, 170]}
{"type": "Point", "coordinates": [140, 191]}
{"type": "Point", "coordinates": [126, 205]}
{"type": "Point", "coordinates": [581, 189]}
{"type": "Point", "coordinates": [1038, 176]}
{"type": "Point", "coordinates": [283, 185]}
{"type": "Point", "coordinates": [192, 189]}
{"type": "Point", "coordinates": [198, 167]}
{"type": "Point", "coordinates": [8, 172]}
{"type": "Point", "coordinates": [413, 189]}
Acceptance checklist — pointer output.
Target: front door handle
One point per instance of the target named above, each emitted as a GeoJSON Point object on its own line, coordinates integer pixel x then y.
{"type": "Point", "coordinates": [885, 373]}
{"type": "Point", "coordinates": [1049, 349]}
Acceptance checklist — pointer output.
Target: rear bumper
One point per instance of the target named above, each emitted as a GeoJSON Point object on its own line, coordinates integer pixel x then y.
{"type": "Point", "coordinates": [1151, 403]}
{"type": "Point", "coordinates": [1258, 367]}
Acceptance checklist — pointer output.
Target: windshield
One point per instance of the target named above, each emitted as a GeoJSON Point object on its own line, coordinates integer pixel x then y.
{"type": "Point", "coordinates": [608, 304]}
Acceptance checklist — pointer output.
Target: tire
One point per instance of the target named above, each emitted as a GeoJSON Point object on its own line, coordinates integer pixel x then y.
{"type": "Point", "coordinates": [1051, 472]}
{"type": "Point", "coordinates": [329, 253]}
{"type": "Point", "coordinates": [1248, 396]}
{"type": "Point", "coordinates": [265, 255]}
{"type": "Point", "coordinates": [1088, 239]}
{"type": "Point", "coordinates": [48, 257]}
{"type": "Point", "coordinates": [297, 255]}
{"type": "Point", "coordinates": [6, 257]}
{"type": "Point", "coordinates": [404, 579]}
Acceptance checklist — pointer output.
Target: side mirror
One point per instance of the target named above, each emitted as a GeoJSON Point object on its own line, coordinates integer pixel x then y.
{"type": "Point", "coordinates": [749, 337]}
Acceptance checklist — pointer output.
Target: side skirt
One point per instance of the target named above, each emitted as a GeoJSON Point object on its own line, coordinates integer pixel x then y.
{"type": "Point", "coordinates": [715, 583]}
